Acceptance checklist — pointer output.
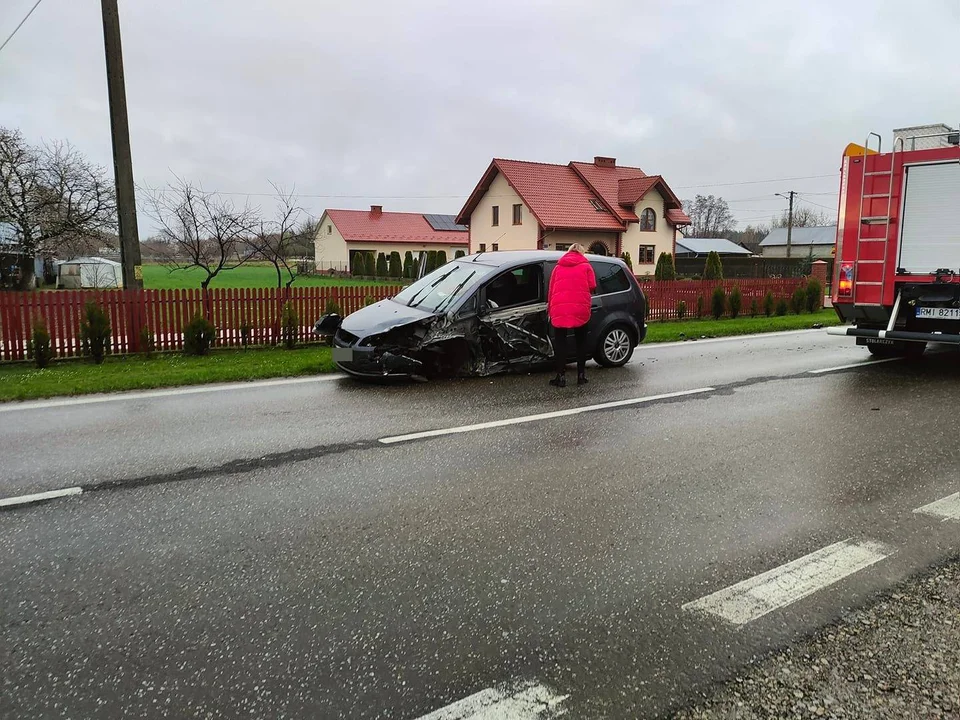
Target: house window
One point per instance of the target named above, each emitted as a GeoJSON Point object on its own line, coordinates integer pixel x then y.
{"type": "Point", "coordinates": [496, 215]}
{"type": "Point", "coordinates": [483, 247]}
{"type": "Point", "coordinates": [517, 214]}
{"type": "Point", "coordinates": [598, 248]}
{"type": "Point", "coordinates": [329, 229]}
{"type": "Point", "coordinates": [648, 220]}
{"type": "Point", "coordinates": [496, 247]}
{"type": "Point", "coordinates": [563, 246]}
{"type": "Point", "coordinates": [646, 255]}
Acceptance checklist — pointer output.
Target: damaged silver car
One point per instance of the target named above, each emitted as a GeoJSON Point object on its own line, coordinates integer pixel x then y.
{"type": "Point", "coordinates": [483, 314]}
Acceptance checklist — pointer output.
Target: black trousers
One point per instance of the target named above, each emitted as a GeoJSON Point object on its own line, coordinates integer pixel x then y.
{"type": "Point", "coordinates": [560, 347]}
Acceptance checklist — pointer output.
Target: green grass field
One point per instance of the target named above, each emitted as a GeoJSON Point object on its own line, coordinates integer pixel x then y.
{"type": "Point", "coordinates": [689, 329]}
{"type": "Point", "coordinates": [21, 381]}
{"type": "Point", "coordinates": [161, 277]}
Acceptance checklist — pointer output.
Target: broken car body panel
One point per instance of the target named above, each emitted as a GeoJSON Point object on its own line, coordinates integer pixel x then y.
{"type": "Point", "coordinates": [479, 315]}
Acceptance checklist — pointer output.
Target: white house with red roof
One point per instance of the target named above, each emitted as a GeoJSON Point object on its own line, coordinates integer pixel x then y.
{"type": "Point", "coordinates": [608, 208]}
{"type": "Point", "coordinates": [342, 233]}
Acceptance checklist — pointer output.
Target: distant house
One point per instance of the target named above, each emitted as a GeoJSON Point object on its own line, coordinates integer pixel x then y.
{"type": "Point", "coordinates": [10, 254]}
{"type": "Point", "coordinates": [701, 247]}
{"type": "Point", "coordinates": [607, 208]}
{"type": "Point", "coordinates": [343, 233]}
{"type": "Point", "coordinates": [803, 240]}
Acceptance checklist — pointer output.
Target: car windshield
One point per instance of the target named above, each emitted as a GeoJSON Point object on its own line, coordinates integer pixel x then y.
{"type": "Point", "coordinates": [441, 288]}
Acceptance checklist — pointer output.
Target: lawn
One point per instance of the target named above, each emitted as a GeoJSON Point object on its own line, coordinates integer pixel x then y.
{"type": "Point", "coordinates": [689, 329]}
{"type": "Point", "coordinates": [162, 277]}
{"type": "Point", "coordinates": [21, 381]}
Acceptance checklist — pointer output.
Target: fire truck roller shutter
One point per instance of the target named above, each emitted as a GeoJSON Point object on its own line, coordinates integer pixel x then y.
{"type": "Point", "coordinates": [930, 231]}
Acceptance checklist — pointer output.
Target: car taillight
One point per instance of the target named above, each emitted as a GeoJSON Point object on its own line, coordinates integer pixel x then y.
{"type": "Point", "coordinates": [845, 286]}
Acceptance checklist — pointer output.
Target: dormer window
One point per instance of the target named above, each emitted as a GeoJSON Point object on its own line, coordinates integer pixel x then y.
{"type": "Point", "coordinates": [598, 206]}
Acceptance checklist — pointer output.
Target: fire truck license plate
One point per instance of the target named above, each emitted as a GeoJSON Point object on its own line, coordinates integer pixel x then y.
{"type": "Point", "coordinates": [939, 313]}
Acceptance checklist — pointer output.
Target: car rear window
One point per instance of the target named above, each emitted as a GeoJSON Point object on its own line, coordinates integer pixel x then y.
{"type": "Point", "coordinates": [610, 278]}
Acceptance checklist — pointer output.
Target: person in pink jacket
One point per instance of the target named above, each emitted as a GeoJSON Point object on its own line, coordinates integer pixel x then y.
{"type": "Point", "coordinates": [568, 307]}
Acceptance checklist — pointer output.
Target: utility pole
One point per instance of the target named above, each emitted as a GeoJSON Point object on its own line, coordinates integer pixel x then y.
{"type": "Point", "coordinates": [789, 196]}
{"type": "Point", "coordinates": [122, 161]}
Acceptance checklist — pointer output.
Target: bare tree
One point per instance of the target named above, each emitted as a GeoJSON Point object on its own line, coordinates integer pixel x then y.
{"type": "Point", "coordinates": [206, 231]}
{"type": "Point", "coordinates": [749, 237]}
{"type": "Point", "coordinates": [804, 217]}
{"type": "Point", "coordinates": [53, 196]}
{"type": "Point", "coordinates": [274, 240]}
{"type": "Point", "coordinates": [710, 216]}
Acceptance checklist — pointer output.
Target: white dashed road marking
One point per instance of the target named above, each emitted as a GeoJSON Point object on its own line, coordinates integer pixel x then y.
{"type": "Point", "coordinates": [777, 588]}
{"type": "Point", "coordinates": [948, 508]}
{"type": "Point", "coordinates": [865, 363]}
{"type": "Point", "coordinates": [530, 701]}
{"type": "Point", "coordinates": [540, 416]}
{"type": "Point", "coordinates": [39, 497]}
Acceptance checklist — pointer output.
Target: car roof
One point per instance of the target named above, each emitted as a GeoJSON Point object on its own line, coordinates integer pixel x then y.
{"type": "Point", "coordinates": [508, 258]}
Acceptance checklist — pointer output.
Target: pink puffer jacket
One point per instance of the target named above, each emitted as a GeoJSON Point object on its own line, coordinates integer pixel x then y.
{"type": "Point", "coordinates": [568, 301]}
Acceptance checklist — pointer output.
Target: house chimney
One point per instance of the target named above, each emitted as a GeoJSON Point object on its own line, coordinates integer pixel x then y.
{"type": "Point", "coordinates": [601, 161]}
{"type": "Point", "coordinates": [376, 211]}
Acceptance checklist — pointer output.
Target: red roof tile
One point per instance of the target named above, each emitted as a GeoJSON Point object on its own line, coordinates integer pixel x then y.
{"type": "Point", "coordinates": [631, 191]}
{"type": "Point", "coordinates": [364, 226]}
{"type": "Point", "coordinates": [605, 181]}
{"type": "Point", "coordinates": [678, 217]}
{"type": "Point", "coordinates": [563, 196]}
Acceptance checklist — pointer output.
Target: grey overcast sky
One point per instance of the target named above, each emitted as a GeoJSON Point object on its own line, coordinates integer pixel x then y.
{"type": "Point", "coordinates": [404, 102]}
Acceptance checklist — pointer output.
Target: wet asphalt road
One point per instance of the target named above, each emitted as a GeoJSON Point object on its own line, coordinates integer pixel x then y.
{"type": "Point", "coordinates": [263, 555]}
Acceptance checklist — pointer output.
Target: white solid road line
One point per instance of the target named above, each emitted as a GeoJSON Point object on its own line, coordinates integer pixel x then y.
{"type": "Point", "coordinates": [948, 508]}
{"type": "Point", "coordinates": [530, 701]}
{"type": "Point", "coordinates": [777, 588]}
{"type": "Point", "coordinates": [864, 363]}
{"type": "Point", "coordinates": [38, 497]}
{"type": "Point", "coordinates": [540, 416]}
{"type": "Point", "coordinates": [148, 394]}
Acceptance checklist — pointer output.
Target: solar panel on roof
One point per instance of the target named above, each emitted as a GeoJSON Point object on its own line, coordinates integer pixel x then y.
{"type": "Point", "coordinates": [444, 222]}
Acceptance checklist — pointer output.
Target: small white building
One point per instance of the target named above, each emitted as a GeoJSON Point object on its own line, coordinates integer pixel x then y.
{"type": "Point", "coordinates": [804, 241]}
{"type": "Point", "coordinates": [89, 272]}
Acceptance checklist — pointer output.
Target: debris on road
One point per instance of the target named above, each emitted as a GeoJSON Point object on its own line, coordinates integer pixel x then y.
{"type": "Point", "coordinates": [898, 659]}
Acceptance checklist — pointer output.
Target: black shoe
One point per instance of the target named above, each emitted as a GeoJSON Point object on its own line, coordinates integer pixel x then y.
{"type": "Point", "coordinates": [559, 381]}
{"type": "Point", "coordinates": [582, 379]}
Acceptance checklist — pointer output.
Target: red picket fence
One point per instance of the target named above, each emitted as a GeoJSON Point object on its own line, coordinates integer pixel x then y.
{"type": "Point", "coordinates": [663, 296]}
{"type": "Point", "coordinates": [165, 312]}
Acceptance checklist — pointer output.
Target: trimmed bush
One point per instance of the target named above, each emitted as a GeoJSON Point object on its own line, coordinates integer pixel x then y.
{"type": "Point", "coordinates": [754, 308]}
{"type": "Point", "coordinates": [699, 306]}
{"type": "Point", "coordinates": [718, 302]}
{"type": "Point", "coordinates": [148, 343]}
{"type": "Point", "coordinates": [431, 262]}
{"type": "Point", "coordinates": [289, 325]}
{"type": "Point", "coordinates": [39, 349]}
{"type": "Point", "coordinates": [382, 268]}
{"type": "Point", "coordinates": [798, 303]}
{"type": "Point", "coordinates": [95, 332]}
{"type": "Point", "coordinates": [665, 269]}
{"type": "Point", "coordinates": [356, 264]}
{"type": "Point", "coordinates": [408, 265]}
{"type": "Point", "coordinates": [199, 336]}
{"type": "Point", "coordinates": [625, 256]}
{"type": "Point", "coordinates": [735, 302]}
{"type": "Point", "coordinates": [681, 310]}
{"type": "Point", "coordinates": [246, 328]}
{"type": "Point", "coordinates": [332, 307]}
{"type": "Point", "coordinates": [768, 304]}
{"type": "Point", "coordinates": [368, 300]}
{"type": "Point", "coordinates": [396, 266]}
{"type": "Point", "coordinates": [781, 307]}
{"type": "Point", "coordinates": [441, 258]}
{"type": "Point", "coordinates": [814, 295]}
{"type": "Point", "coordinates": [713, 270]}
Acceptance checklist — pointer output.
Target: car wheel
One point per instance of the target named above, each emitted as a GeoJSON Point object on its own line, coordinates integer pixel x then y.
{"type": "Point", "coordinates": [615, 347]}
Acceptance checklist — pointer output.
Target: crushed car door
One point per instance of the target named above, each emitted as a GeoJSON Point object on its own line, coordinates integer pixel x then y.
{"type": "Point", "coordinates": [513, 321]}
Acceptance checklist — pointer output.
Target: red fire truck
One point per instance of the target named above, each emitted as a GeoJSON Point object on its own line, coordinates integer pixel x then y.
{"type": "Point", "coordinates": [897, 266]}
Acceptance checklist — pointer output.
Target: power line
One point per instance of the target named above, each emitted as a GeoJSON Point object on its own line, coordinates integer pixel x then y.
{"type": "Point", "coordinates": [755, 182]}
{"type": "Point", "coordinates": [811, 202]}
{"type": "Point", "coordinates": [17, 28]}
